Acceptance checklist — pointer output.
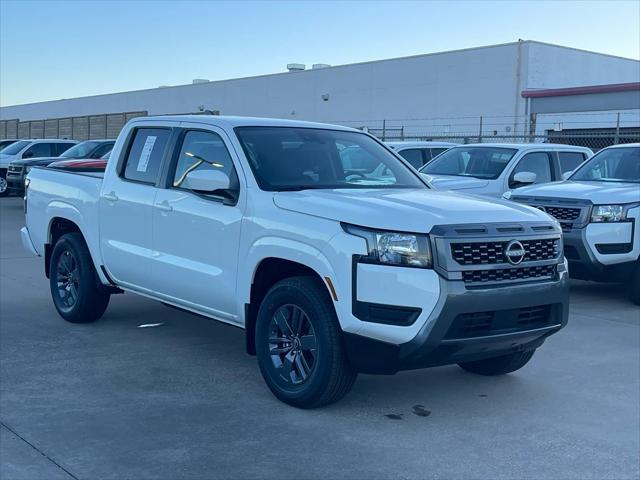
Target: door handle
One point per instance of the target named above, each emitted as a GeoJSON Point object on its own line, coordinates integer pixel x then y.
{"type": "Point", "coordinates": [111, 197]}
{"type": "Point", "coordinates": [164, 206]}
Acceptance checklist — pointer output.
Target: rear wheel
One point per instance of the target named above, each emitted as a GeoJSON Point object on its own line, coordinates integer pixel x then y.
{"type": "Point", "coordinates": [299, 345]}
{"type": "Point", "coordinates": [75, 288]}
{"type": "Point", "coordinates": [499, 365]}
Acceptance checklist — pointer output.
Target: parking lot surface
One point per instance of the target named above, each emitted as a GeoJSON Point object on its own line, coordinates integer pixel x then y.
{"type": "Point", "coordinates": [183, 400]}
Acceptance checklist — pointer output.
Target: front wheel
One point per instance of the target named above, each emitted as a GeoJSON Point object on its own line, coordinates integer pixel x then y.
{"type": "Point", "coordinates": [634, 288]}
{"type": "Point", "coordinates": [4, 186]}
{"type": "Point", "coordinates": [75, 289]}
{"type": "Point", "coordinates": [299, 345]}
{"type": "Point", "coordinates": [499, 365]}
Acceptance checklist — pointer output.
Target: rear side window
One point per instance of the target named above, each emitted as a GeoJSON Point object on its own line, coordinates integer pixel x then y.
{"type": "Point", "coordinates": [436, 151]}
{"type": "Point", "coordinates": [569, 161]}
{"type": "Point", "coordinates": [202, 151]}
{"type": "Point", "coordinates": [145, 155]}
{"type": "Point", "coordinates": [61, 147]}
{"type": "Point", "coordinates": [413, 156]}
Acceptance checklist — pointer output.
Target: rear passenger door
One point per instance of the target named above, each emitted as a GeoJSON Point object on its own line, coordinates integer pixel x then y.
{"type": "Point", "coordinates": [196, 236]}
{"type": "Point", "coordinates": [126, 205]}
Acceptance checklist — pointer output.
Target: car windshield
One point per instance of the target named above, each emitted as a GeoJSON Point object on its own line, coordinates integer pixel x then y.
{"type": "Point", "coordinates": [15, 147]}
{"type": "Point", "coordinates": [293, 158]}
{"type": "Point", "coordinates": [471, 161]}
{"type": "Point", "coordinates": [81, 150]}
{"type": "Point", "coordinates": [611, 165]}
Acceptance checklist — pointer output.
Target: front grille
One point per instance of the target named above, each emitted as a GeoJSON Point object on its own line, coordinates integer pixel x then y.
{"type": "Point", "coordinates": [15, 169]}
{"type": "Point", "coordinates": [509, 274]}
{"type": "Point", "coordinates": [563, 213]}
{"type": "Point", "coordinates": [479, 324]}
{"type": "Point", "coordinates": [491, 253]}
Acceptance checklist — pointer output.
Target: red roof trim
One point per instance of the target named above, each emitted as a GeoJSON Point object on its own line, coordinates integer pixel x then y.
{"type": "Point", "coordinates": [562, 92]}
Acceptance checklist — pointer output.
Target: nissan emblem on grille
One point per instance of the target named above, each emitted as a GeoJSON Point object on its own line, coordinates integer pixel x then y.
{"type": "Point", "coordinates": [515, 252]}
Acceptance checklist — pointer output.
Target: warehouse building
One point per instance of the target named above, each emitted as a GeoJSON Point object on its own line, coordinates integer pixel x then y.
{"type": "Point", "coordinates": [524, 89]}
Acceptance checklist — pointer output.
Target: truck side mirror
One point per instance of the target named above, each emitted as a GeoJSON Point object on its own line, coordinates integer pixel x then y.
{"type": "Point", "coordinates": [524, 178]}
{"type": "Point", "coordinates": [207, 181]}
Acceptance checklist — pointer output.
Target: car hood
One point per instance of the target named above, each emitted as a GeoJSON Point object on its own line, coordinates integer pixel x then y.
{"type": "Point", "coordinates": [595, 192]}
{"type": "Point", "coordinates": [413, 210]}
{"type": "Point", "coordinates": [452, 182]}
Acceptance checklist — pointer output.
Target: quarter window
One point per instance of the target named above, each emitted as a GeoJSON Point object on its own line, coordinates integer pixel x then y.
{"type": "Point", "coordinates": [145, 155]}
{"type": "Point", "coordinates": [202, 151]}
{"type": "Point", "coordinates": [538, 163]}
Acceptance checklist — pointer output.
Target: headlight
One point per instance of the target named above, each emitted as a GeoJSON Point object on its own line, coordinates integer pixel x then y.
{"type": "Point", "coordinates": [394, 248]}
{"type": "Point", "coordinates": [608, 213]}
{"type": "Point", "coordinates": [27, 170]}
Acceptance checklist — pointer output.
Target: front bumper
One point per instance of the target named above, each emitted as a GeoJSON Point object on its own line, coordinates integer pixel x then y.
{"type": "Point", "coordinates": [584, 265]}
{"type": "Point", "coordinates": [27, 243]}
{"type": "Point", "coordinates": [439, 342]}
{"type": "Point", "coordinates": [15, 182]}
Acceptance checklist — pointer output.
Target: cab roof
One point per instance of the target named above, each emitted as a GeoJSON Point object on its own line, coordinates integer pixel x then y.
{"type": "Point", "coordinates": [232, 122]}
{"type": "Point", "coordinates": [530, 146]}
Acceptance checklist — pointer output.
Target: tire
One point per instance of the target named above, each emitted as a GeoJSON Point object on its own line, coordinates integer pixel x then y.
{"type": "Point", "coordinates": [75, 287]}
{"type": "Point", "coordinates": [4, 187]}
{"type": "Point", "coordinates": [499, 365]}
{"type": "Point", "coordinates": [634, 290]}
{"type": "Point", "coordinates": [299, 345]}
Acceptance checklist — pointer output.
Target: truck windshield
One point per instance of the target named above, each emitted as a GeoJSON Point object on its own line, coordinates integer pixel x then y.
{"type": "Point", "coordinates": [294, 158]}
{"type": "Point", "coordinates": [611, 165]}
{"type": "Point", "coordinates": [15, 147]}
{"type": "Point", "coordinates": [81, 150]}
{"type": "Point", "coordinates": [471, 161]}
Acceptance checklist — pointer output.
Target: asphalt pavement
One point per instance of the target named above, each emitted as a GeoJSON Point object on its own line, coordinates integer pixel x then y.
{"type": "Point", "coordinates": [183, 401]}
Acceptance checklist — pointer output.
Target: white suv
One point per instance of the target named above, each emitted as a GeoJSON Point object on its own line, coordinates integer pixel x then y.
{"type": "Point", "coordinates": [418, 154]}
{"type": "Point", "coordinates": [493, 168]}
{"type": "Point", "coordinates": [598, 208]}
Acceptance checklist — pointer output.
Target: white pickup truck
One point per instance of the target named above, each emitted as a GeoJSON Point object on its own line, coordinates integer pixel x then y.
{"type": "Point", "coordinates": [598, 207]}
{"type": "Point", "coordinates": [491, 169]}
{"type": "Point", "coordinates": [261, 224]}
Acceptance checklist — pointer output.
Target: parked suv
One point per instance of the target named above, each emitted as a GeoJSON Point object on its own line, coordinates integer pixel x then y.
{"type": "Point", "coordinates": [91, 149]}
{"type": "Point", "coordinates": [419, 154]}
{"type": "Point", "coordinates": [493, 168]}
{"type": "Point", "coordinates": [598, 208]}
{"type": "Point", "coordinates": [264, 224]}
{"type": "Point", "coordinates": [27, 149]}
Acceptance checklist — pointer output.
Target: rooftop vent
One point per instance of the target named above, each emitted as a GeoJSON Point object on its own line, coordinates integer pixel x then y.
{"type": "Point", "coordinates": [296, 67]}
{"type": "Point", "coordinates": [317, 66]}
{"type": "Point", "coordinates": [196, 81]}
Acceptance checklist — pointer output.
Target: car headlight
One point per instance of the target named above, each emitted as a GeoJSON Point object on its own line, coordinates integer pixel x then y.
{"type": "Point", "coordinates": [394, 248]}
{"type": "Point", "coordinates": [27, 170]}
{"type": "Point", "coordinates": [608, 213]}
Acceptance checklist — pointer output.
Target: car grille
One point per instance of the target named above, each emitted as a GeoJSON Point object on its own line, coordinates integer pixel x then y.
{"type": "Point", "coordinates": [479, 324]}
{"type": "Point", "coordinates": [563, 213]}
{"type": "Point", "coordinates": [14, 169]}
{"type": "Point", "coordinates": [509, 274]}
{"type": "Point", "coordinates": [491, 253]}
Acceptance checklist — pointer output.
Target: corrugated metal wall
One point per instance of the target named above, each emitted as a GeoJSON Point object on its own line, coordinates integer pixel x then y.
{"type": "Point", "coordinates": [78, 128]}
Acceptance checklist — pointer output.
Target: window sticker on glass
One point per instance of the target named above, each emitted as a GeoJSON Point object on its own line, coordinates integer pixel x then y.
{"type": "Point", "coordinates": [146, 153]}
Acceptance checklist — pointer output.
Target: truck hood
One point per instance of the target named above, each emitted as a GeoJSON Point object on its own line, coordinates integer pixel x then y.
{"type": "Point", "coordinates": [412, 210]}
{"type": "Point", "coordinates": [38, 161]}
{"type": "Point", "coordinates": [452, 182]}
{"type": "Point", "coordinates": [595, 192]}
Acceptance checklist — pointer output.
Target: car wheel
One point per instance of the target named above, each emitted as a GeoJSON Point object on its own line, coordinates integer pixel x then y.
{"type": "Point", "coordinates": [634, 291]}
{"type": "Point", "coordinates": [499, 365]}
{"type": "Point", "coordinates": [299, 344]}
{"type": "Point", "coordinates": [4, 190]}
{"type": "Point", "coordinates": [75, 287]}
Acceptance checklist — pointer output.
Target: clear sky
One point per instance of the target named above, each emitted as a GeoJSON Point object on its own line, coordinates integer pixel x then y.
{"type": "Point", "coordinates": [63, 49]}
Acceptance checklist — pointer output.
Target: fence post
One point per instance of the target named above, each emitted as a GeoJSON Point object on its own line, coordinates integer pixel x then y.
{"type": "Point", "coordinates": [532, 127]}
{"type": "Point", "coordinates": [384, 130]}
{"type": "Point", "coordinates": [616, 140]}
{"type": "Point", "coordinates": [480, 131]}
{"type": "Point", "coordinates": [402, 133]}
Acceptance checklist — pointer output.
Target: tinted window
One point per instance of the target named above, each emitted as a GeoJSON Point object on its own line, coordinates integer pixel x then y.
{"type": "Point", "coordinates": [6, 143]}
{"type": "Point", "coordinates": [472, 161]}
{"type": "Point", "coordinates": [15, 147]}
{"type": "Point", "coordinates": [80, 150]}
{"type": "Point", "coordinates": [202, 151]}
{"type": "Point", "coordinates": [569, 161]}
{"type": "Point", "coordinates": [145, 155]}
{"type": "Point", "coordinates": [538, 163]}
{"type": "Point", "coordinates": [62, 147]}
{"type": "Point", "coordinates": [413, 156]}
{"type": "Point", "coordinates": [437, 151]}
{"type": "Point", "coordinates": [39, 150]}
{"type": "Point", "coordinates": [611, 165]}
{"type": "Point", "coordinates": [290, 158]}
{"type": "Point", "coordinates": [103, 149]}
